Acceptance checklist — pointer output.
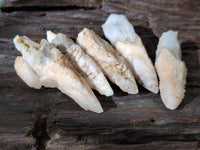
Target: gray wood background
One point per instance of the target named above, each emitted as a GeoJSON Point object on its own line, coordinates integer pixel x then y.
{"type": "Point", "coordinates": [48, 119]}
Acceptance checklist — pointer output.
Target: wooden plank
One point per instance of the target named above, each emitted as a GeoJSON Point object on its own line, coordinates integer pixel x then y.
{"type": "Point", "coordinates": [156, 14]}
{"type": "Point", "coordinates": [12, 5]}
{"type": "Point", "coordinates": [15, 119]}
{"type": "Point", "coordinates": [135, 119]}
{"type": "Point", "coordinates": [148, 146]}
{"type": "Point", "coordinates": [34, 25]}
{"type": "Point", "coordinates": [21, 108]}
{"type": "Point", "coordinates": [181, 15]}
{"type": "Point", "coordinates": [132, 119]}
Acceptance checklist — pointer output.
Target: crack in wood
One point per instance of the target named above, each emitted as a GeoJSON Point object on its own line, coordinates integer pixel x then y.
{"type": "Point", "coordinates": [39, 132]}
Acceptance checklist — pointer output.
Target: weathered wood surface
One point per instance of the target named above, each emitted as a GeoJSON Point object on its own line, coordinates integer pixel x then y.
{"type": "Point", "coordinates": [150, 146]}
{"type": "Point", "coordinates": [9, 4]}
{"type": "Point", "coordinates": [29, 118]}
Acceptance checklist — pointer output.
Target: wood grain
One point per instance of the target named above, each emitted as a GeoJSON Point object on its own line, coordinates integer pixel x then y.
{"type": "Point", "coordinates": [129, 121]}
{"type": "Point", "coordinates": [12, 5]}
{"type": "Point", "coordinates": [181, 15]}
{"type": "Point", "coordinates": [150, 146]}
